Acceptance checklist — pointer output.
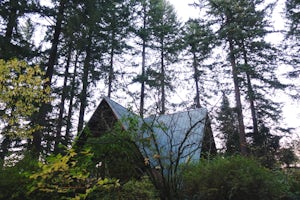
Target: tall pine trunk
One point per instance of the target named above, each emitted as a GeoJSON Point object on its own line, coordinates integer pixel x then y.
{"type": "Point", "coordinates": [83, 94]}
{"type": "Point", "coordinates": [70, 110]}
{"type": "Point", "coordinates": [12, 20]}
{"type": "Point", "coordinates": [251, 95]}
{"type": "Point", "coordinates": [41, 116]}
{"type": "Point", "coordinates": [242, 135]}
{"type": "Point", "coordinates": [142, 97]}
{"type": "Point", "coordinates": [196, 78]}
{"type": "Point", "coordinates": [55, 41]}
{"type": "Point", "coordinates": [11, 24]}
{"type": "Point", "coordinates": [162, 81]}
{"type": "Point", "coordinates": [111, 65]}
{"type": "Point", "coordinates": [58, 137]}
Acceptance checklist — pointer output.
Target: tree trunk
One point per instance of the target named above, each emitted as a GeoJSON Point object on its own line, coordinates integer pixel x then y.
{"type": "Point", "coordinates": [62, 102]}
{"type": "Point", "coordinates": [111, 69]}
{"type": "Point", "coordinates": [163, 92]}
{"type": "Point", "coordinates": [242, 135]}
{"type": "Point", "coordinates": [196, 78]}
{"type": "Point", "coordinates": [250, 95]}
{"type": "Point", "coordinates": [11, 24]}
{"type": "Point", "coordinates": [70, 110]}
{"type": "Point", "coordinates": [142, 97]}
{"type": "Point", "coordinates": [41, 116]}
{"type": "Point", "coordinates": [5, 145]}
{"type": "Point", "coordinates": [83, 95]}
{"type": "Point", "coordinates": [53, 51]}
{"type": "Point", "coordinates": [12, 20]}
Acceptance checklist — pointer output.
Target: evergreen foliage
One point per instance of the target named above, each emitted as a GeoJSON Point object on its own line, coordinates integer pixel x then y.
{"type": "Point", "coordinates": [233, 178]}
{"type": "Point", "coordinates": [242, 27]}
{"type": "Point", "coordinates": [291, 44]}
{"type": "Point", "coordinates": [228, 126]}
{"type": "Point", "coordinates": [198, 40]}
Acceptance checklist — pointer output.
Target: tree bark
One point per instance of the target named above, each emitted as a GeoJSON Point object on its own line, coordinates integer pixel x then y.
{"type": "Point", "coordinates": [111, 67]}
{"type": "Point", "coordinates": [163, 92]}
{"type": "Point", "coordinates": [41, 116]}
{"type": "Point", "coordinates": [62, 102]}
{"type": "Point", "coordinates": [12, 20]}
{"type": "Point", "coordinates": [70, 110]}
{"type": "Point", "coordinates": [196, 78]}
{"type": "Point", "coordinates": [144, 38]}
{"type": "Point", "coordinates": [242, 135]}
{"type": "Point", "coordinates": [250, 95]}
{"type": "Point", "coordinates": [55, 41]}
{"type": "Point", "coordinates": [83, 95]}
{"type": "Point", "coordinates": [11, 24]}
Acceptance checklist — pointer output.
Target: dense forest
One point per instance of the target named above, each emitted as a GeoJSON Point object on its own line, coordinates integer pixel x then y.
{"type": "Point", "coordinates": [58, 59]}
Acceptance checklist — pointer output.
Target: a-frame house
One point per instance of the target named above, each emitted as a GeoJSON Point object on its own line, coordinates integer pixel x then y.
{"type": "Point", "coordinates": [186, 135]}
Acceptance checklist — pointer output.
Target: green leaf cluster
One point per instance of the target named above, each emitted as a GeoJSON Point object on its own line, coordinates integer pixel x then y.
{"type": "Point", "coordinates": [76, 175]}
{"type": "Point", "coordinates": [22, 93]}
{"type": "Point", "coordinates": [63, 176]}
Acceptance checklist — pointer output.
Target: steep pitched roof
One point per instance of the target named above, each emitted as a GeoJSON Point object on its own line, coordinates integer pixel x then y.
{"type": "Point", "coordinates": [104, 118]}
{"type": "Point", "coordinates": [179, 133]}
{"type": "Point", "coordinates": [119, 111]}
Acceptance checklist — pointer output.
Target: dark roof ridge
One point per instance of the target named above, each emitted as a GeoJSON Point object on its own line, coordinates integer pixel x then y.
{"type": "Point", "coordinates": [116, 107]}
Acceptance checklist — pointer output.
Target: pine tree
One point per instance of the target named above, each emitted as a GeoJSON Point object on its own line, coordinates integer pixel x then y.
{"type": "Point", "coordinates": [292, 14]}
{"type": "Point", "coordinates": [115, 31]}
{"type": "Point", "coordinates": [224, 15]}
{"type": "Point", "coordinates": [228, 126]}
{"type": "Point", "coordinates": [16, 39]}
{"type": "Point", "coordinates": [142, 32]}
{"type": "Point", "coordinates": [257, 64]}
{"type": "Point", "coordinates": [165, 28]}
{"type": "Point", "coordinates": [63, 98]}
{"type": "Point", "coordinates": [198, 38]}
{"type": "Point", "coordinates": [244, 26]}
{"type": "Point", "coordinates": [292, 41]}
{"type": "Point", "coordinates": [69, 49]}
{"type": "Point", "coordinates": [41, 117]}
{"type": "Point", "coordinates": [104, 32]}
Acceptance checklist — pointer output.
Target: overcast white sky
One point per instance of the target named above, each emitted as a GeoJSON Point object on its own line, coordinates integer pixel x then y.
{"type": "Point", "coordinates": [183, 10]}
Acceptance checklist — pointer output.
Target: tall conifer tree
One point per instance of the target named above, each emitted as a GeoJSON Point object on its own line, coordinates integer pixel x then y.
{"type": "Point", "coordinates": [165, 28]}
{"type": "Point", "coordinates": [228, 126]}
{"type": "Point", "coordinates": [198, 39]}
{"type": "Point", "coordinates": [243, 26]}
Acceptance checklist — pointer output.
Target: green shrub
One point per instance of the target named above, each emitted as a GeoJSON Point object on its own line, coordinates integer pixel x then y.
{"type": "Point", "coordinates": [293, 176]}
{"type": "Point", "coordinates": [14, 178]}
{"type": "Point", "coordinates": [140, 190]}
{"type": "Point", "coordinates": [108, 189]}
{"type": "Point", "coordinates": [232, 178]}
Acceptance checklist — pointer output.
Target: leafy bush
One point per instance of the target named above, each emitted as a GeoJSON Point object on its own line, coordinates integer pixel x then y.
{"type": "Point", "coordinates": [107, 189]}
{"type": "Point", "coordinates": [14, 178]}
{"type": "Point", "coordinates": [232, 178]}
{"type": "Point", "coordinates": [63, 177]}
{"type": "Point", "coordinates": [140, 190]}
{"type": "Point", "coordinates": [294, 184]}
